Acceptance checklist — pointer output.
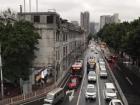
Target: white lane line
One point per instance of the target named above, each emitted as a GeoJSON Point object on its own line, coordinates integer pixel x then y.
{"type": "Point", "coordinates": [82, 81]}
{"type": "Point", "coordinates": [130, 82]}
{"type": "Point", "coordinates": [98, 87]}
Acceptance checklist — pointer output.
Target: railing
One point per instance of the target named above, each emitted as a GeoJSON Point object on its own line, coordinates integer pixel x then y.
{"type": "Point", "coordinates": [33, 95]}
{"type": "Point", "coordinates": [27, 97]}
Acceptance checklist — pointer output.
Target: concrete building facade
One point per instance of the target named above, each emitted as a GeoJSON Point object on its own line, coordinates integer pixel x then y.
{"type": "Point", "coordinates": [107, 19]}
{"type": "Point", "coordinates": [61, 41]}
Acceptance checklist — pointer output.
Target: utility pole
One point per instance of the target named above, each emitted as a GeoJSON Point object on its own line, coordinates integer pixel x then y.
{"type": "Point", "coordinates": [2, 90]}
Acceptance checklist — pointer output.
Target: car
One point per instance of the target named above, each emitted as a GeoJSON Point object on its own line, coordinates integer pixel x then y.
{"type": "Point", "coordinates": [100, 60]}
{"type": "Point", "coordinates": [110, 91]}
{"type": "Point", "coordinates": [103, 73]}
{"type": "Point", "coordinates": [54, 96]}
{"type": "Point", "coordinates": [101, 63]}
{"type": "Point", "coordinates": [109, 59]}
{"type": "Point", "coordinates": [92, 76]}
{"type": "Point", "coordinates": [91, 63]}
{"type": "Point", "coordinates": [102, 66]}
{"type": "Point", "coordinates": [73, 82]}
{"type": "Point", "coordinates": [115, 102]}
{"type": "Point", "coordinates": [90, 69]}
{"type": "Point", "coordinates": [90, 92]}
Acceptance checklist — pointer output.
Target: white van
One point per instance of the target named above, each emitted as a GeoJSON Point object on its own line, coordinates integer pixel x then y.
{"type": "Point", "coordinates": [54, 96]}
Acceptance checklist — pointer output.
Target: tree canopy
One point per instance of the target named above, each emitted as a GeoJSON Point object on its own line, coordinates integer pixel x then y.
{"type": "Point", "coordinates": [123, 37]}
{"type": "Point", "coordinates": [18, 42]}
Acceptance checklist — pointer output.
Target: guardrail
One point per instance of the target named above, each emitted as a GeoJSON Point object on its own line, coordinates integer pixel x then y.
{"type": "Point", "coordinates": [33, 95]}
{"type": "Point", "coordinates": [116, 82]}
{"type": "Point", "coordinates": [27, 97]}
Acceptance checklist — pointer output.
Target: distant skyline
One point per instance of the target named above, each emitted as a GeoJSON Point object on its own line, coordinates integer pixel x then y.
{"type": "Point", "coordinates": [128, 10]}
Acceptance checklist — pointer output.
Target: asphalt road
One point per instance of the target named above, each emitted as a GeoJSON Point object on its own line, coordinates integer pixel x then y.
{"type": "Point", "coordinates": [77, 97]}
{"type": "Point", "coordinates": [128, 82]}
{"type": "Point", "coordinates": [127, 86]}
{"type": "Point", "coordinates": [99, 83]}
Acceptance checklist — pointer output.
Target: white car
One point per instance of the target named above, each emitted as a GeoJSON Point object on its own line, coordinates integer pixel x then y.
{"type": "Point", "coordinates": [115, 102]}
{"type": "Point", "coordinates": [103, 73]}
{"type": "Point", "coordinates": [101, 63]}
{"type": "Point", "coordinates": [92, 76]}
{"type": "Point", "coordinates": [110, 91]}
{"type": "Point", "coordinates": [101, 60]}
{"type": "Point", "coordinates": [90, 92]}
{"type": "Point", "coordinates": [102, 67]}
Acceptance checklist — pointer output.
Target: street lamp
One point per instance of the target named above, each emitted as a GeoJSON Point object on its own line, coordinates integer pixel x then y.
{"type": "Point", "coordinates": [2, 91]}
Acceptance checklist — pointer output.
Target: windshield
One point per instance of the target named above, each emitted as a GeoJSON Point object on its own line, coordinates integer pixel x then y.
{"type": "Point", "coordinates": [49, 96]}
{"type": "Point", "coordinates": [91, 90]}
{"type": "Point", "coordinates": [91, 74]}
{"type": "Point", "coordinates": [73, 80]}
{"type": "Point", "coordinates": [103, 71]}
{"type": "Point", "coordinates": [118, 103]}
{"type": "Point", "coordinates": [111, 90]}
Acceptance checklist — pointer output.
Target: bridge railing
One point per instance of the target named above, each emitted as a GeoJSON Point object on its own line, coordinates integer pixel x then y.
{"type": "Point", "coordinates": [27, 97]}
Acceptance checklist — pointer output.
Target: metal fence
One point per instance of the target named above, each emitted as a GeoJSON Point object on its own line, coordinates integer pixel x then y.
{"type": "Point", "coordinates": [27, 97]}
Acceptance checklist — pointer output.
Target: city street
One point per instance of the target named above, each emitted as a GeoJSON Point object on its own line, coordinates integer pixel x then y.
{"type": "Point", "coordinates": [99, 85]}
{"type": "Point", "coordinates": [77, 97]}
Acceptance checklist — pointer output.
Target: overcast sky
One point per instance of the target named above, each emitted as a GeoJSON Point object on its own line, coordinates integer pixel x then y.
{"type": "Point", "coordinates": [70, 9]}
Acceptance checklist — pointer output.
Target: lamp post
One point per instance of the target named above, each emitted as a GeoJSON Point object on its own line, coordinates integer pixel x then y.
{"type": "Point", "coordinates": [2, 90]}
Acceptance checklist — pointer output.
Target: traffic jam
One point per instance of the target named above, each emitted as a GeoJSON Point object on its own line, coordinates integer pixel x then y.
{"type": "Point", "coordinates": [89, 82]}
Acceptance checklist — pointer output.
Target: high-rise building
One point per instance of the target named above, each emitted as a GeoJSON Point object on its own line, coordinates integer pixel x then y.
{"type": "Point", "coordinates": [115, 18]}
{"type": "Point", "coordinates": [107, 19]}
{"type": "Point", "coordinates": [94, 27]}
{"type": "Point", "coordinates": [84, 21]}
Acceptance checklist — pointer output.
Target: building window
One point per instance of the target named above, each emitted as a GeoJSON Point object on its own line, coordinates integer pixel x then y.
{"type": "Point", "coordinates": [64, 51]}
{"type": "Point", "coordinates": [63, 37]}
{"type": "Point", "coordinates": [57, 36]}
{"type": "Point", "coordinates": [37, 19]}
{"type": "Point", "coordinates": [66, 37]}
{"type": "Point", "coordinates": [49, 19]}
{"type": "Point", "coordinates": [57, 55]}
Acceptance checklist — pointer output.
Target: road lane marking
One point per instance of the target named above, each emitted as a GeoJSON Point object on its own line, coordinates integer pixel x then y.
{"type": "Point", "coordinates": [85, 70]}
{"type": "Point", "coordinates": [98, 90]}
{"type": "Point", "coordinates": [71, 96]}
{"type": "Point", "coordinates": [130, 82]}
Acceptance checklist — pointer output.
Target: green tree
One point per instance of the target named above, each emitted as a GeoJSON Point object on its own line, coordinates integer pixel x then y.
{"type": "Point", "coordinates": [18, 42]}
{"type": "Point", "coordinates": [123, 37]}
